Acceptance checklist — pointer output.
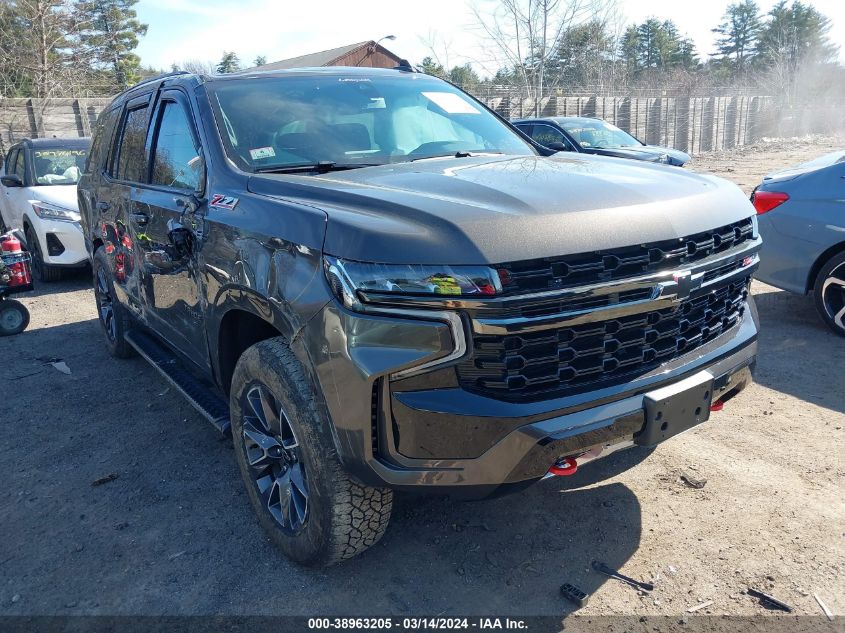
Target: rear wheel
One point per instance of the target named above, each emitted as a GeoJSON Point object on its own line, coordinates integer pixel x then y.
{"type": "Point", "coordinates": [113, 317]}
{"type": "Point", "coordinates": [43, 272]}
{"type": "Point", "coordinates": [14, 317]}
{"type": "Point", "coordinates": [311, 509]}
{"type": "Point", "coordinates": [829, 293]}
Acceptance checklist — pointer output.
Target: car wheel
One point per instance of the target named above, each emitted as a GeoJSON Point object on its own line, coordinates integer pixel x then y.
{"type": "Point", "coordinates": [112, 315]}
{"type": "Point", "coordinates": [14, 317]}
{"type": "Point", "coordinates": [829, 293]}
{"type": "Point", "coordinates": [43, 272]}
{"type": "Point", "coordinates": [311, 509]}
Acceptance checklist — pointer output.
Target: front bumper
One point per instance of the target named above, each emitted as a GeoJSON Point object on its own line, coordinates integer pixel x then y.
{"type": "Point", "coordinates": [62, 243]}
{"type": "Point", "coordinates": [360, 359]}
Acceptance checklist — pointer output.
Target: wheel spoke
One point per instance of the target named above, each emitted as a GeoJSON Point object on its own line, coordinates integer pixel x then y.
{"type": "Point", "coordinates": [261, 449]}
{"type": "Point", "coordinates": [839, 318]}
{"type": "Point", "coordinates": [833, 281]}
{"type": "Point", "coordinates": [298, 493]}
{"type": "Point", "coordinates": [263, 405]}
{"type": "Point", "coordinates": [289, 440]}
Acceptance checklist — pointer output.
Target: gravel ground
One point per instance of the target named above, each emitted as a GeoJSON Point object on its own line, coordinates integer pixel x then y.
{"type": "Point", "coordinates": [172, 533]}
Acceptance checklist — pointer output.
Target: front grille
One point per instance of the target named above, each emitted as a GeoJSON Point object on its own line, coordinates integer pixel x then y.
{"type": "Point", "coordinates": [588, 268]}
{"type": "Point", "coordinates": [583, 357]}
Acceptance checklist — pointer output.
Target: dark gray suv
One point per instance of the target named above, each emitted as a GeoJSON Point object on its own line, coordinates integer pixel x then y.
{"type": "Point", "coordinates": [374, 284]}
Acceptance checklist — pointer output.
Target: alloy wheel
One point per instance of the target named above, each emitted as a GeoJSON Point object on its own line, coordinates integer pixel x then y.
{"type": "Point", "coordinates": [833, 295]}
{"type": "Point", "coordinates": [275, 461]}
{"type": "Point", "coordinates": [105, 305]}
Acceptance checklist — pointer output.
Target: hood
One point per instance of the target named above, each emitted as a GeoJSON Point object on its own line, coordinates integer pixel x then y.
{"type": "Point", "coordinates": [804, 168]}
{"type": "Point", "coordinates": [648, 153]}
{"type": "Point", "coordinates": [676, 156]}
{"type": "Point", "coordinates": [60, 195]}
{"type": "Point", "coordinates": [487, 210]}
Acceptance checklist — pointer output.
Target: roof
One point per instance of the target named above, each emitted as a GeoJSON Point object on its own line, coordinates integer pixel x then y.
{"type": "Point", "coordinates": [323, 58]}
{"type": "Point", "coordinates": [75, 141]}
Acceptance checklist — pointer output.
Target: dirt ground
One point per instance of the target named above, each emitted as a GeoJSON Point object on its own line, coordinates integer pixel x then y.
{"type": "Point", "coordinates": [173, 532]}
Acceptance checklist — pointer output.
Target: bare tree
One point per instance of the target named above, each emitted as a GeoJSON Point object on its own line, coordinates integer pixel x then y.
{"type": "Point", "coordinates": [36, 38]}
{"type": "Point", "coordinates": [524, 36]}
{"type": "Point", "coordinates": [195, 66]}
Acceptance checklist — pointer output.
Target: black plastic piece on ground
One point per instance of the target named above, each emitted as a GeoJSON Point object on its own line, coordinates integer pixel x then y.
{"type": "Point", "coordinates": [201, 396]}
{"type": "Point", "coordinates": [608, 571]}
{"type": "Point", "coordinates": [769, 601]}
{"type": "Point", "coordinates": [574, 594]}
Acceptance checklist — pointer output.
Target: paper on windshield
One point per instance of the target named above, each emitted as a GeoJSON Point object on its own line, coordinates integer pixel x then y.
{"type": "Point", "coordinates": [451, 103]}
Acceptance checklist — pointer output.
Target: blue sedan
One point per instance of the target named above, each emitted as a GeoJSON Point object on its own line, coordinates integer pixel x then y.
{"type": "Point", "coordinates": [801, 213]}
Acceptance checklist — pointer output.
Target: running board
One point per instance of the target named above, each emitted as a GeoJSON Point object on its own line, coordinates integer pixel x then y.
{"type": "Point", "coordinates": [200, 396]}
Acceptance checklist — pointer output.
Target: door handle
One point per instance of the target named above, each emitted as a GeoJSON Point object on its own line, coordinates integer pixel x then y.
{"type": "Point", "coordinates": [140, 219]}
{"type": "Point", "coordinates": [103, 206]}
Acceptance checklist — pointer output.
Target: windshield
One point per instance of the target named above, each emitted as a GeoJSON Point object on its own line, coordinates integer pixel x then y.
{"type": "Point", "coordinates": [599, 134]}
{"type": "Point", "coordinates": [279, 122]}
{"type": "Point", "coordinates": [58, 165]}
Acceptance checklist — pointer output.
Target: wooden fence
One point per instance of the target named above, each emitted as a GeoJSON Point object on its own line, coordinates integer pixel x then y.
{"type": "Point", "coordinates": [692, 124]}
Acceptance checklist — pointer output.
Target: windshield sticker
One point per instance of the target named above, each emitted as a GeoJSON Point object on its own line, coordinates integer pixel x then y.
{"type": "Point", "coordinates": [57, 153]}
{"type": "Point", "coordinates": [451, 103]}
{"type": "Point", "coordinates": [219, 201]}
{"type": "Point", "coordinates": [262, 152]}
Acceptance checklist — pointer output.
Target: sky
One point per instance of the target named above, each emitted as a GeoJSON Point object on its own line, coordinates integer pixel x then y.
{"type": "Point", "coordinates": [181, 30]}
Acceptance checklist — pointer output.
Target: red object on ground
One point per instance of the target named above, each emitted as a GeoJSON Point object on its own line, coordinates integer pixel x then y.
{"type": "Point", "coordinates": [564, 467]}
{"type": "Point", "coordinates": [717, 406]}
{"type": "Point", "coordinates": [19, 271]}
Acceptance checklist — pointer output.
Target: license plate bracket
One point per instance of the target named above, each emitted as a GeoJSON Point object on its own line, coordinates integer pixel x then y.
{"type": "Point", "coordinates": [676, 408]}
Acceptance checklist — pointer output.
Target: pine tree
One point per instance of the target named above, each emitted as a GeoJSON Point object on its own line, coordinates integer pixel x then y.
{"type": "Point", "coordinates": [260, 60]}
{"type": "Point", "coordinates": [431, 67]}
{"type": "Point", "coordinates": [229, 63]}
{"type": "Point", "coordinates": [110, 32]}
{"type": "Point", "coordinates": [738, 35]}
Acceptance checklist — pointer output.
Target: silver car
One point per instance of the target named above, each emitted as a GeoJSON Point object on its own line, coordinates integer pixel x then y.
{"type": "Point", "coordinates": [801, 213]}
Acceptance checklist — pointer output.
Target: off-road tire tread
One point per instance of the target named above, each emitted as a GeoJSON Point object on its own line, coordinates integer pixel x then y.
{"type": "Point", "coordinates": [359, 513]}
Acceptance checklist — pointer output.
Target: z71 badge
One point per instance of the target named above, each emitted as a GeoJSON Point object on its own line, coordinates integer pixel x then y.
{"type": "Point", "coordinates": [220, 201]}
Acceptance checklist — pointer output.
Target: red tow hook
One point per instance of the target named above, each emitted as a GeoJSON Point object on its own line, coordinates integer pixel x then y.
{"type": "Point", "coordinates": [717, 406]}
{"type": "Point", "coordinates": [564, 467]}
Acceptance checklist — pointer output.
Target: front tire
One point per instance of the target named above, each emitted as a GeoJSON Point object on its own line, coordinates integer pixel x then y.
{"type": "Point", "coordinates": [112, 315]}
{"type": "Point", "coordinates": [14, 317]}
{"type": "Point", "coordinates": [43, 272]}
{"type": "Point", "coordinates": [311, 509]}
{"type": "Point", "coordinates": [829, 293]}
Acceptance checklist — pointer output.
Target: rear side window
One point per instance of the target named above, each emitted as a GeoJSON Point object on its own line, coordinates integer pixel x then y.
{"type": "Point", "coordinates": [176, 161]}
{"type": "Point", "coordinates": [546, 134]}
{"type": "Point", "coordinates": [131, 159]}
{"type": "Point", "coordinates": [102, 138]}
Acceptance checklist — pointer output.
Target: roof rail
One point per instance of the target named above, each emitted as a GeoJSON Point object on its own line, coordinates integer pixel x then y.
{"type": "Point", "coordinates": [158, 77]}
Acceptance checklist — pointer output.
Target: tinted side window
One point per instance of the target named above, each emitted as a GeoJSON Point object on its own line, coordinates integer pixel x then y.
{"type": "Point", "coordinates": [9, 168]}
{"type": "Point", "coordinates": [176, 159]}
{"type": "Point", "coordinates": [20, 165]}
{"type": "Point", "coordinates": [545, 134]}
{"type": "Point", "coordinates": [102, 140]}
{"type": "Point", "coordinates": [131, 160]}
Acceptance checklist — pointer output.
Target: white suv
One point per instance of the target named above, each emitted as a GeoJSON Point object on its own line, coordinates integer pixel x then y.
{"type": "Point", "coordinates": [38, 195]}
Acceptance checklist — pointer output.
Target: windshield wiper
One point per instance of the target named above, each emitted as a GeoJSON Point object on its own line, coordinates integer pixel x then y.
{"type": "Point", "coordinates": [321, 167]}
{"type": "Point", "coordinates": [458, 154]}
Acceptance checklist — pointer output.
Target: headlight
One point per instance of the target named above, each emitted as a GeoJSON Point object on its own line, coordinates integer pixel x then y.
{"type": "Point", "coordinates": [347, 278]}
{"type": "Point", "coordinates": [47, 211]}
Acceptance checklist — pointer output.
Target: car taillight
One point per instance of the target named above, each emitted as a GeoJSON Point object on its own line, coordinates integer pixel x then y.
{"type": "Point", "coordinates": [765, 201]}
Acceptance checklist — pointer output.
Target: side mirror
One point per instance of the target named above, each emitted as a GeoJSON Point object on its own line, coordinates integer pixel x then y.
{"type": "Point", "coordinates": [557, 146]}
{"type": "Point", "coordinates": [11, 180]}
